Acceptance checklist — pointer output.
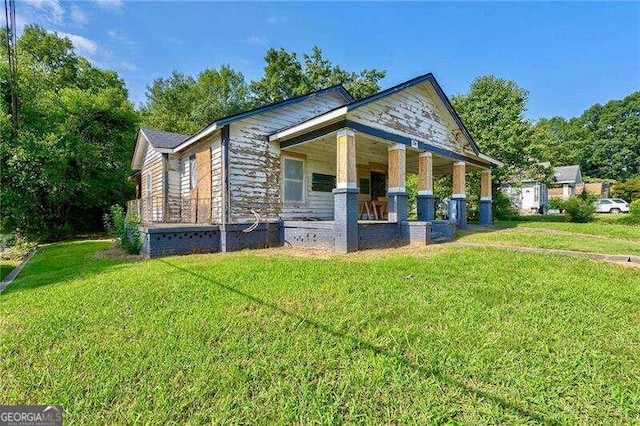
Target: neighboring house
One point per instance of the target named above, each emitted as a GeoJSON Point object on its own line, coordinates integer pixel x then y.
{"type": "Point", "coordinates": [529, 198]}
{"type": "Point", "coordinates": [599, 189]}
{"type": "Point", "coordinates": [306, 172]}
{"type": "Point", "coordinates": [566, 181]}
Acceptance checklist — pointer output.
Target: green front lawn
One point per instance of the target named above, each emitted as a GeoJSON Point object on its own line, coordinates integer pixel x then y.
{"type": "Point", "coordinates": [6, 266]}
{"type": "Point", "coordinates": [547, 238]}
{"type": "Point", "coordinates": [436, 334]}
{"type": "Point", "coordinates": [601, 229]}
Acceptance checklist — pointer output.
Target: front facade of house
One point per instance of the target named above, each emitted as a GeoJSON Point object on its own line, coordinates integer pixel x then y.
{"type": "Point", "coordinates": [320, 170]}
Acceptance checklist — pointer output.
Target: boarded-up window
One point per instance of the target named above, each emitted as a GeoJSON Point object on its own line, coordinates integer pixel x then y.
{"type": "Point", "coordinates": [322, 183]}
{"type": "Point", "coordinates": [293, 180]}
{"type": "Point", "coordinates": [365, 186]}
{"type": "Point", "coordinates": [193, 172]}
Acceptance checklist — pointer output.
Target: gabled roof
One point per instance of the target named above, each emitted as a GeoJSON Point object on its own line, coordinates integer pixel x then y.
{"type": "Point", "coordinates": [163, 140]}
{"type": "Point", "coordinates": [340, 111]}
{"type": "Point", "coordinates": [338, 88]}
{"type": "Point", "coordinates": [567, 174]}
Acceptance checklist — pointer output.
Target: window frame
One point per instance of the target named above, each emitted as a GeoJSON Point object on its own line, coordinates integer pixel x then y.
{"type": "Point", "coordinates": [293, 157]}
{"type": "Point", "coordinates": [148, 185]}
{"type": "Point", "coordinates": [193, 172]}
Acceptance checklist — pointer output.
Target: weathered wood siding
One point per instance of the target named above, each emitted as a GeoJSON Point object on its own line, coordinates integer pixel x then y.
{"type": "Point", "coordinates": [213, 143]}
{"type": "Point", "coordinates": [152, 164]}
{"type": "Point", "coordinates": [414, 113]}
{"type": "Point", "coordinates": [254, 162]}
{"type": "Point", "coordinates": [174, 187]}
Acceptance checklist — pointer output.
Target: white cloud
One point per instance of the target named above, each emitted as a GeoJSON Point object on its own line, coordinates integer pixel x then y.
{"type": "Point", "coordinates": [257, 40]}
{"type": "Point", "coordinates": [129, 66]}
{"type": "Point", "coordinates": [110, 4]}
{"type": "Point", "coordinates": [47, 10]}
{"type": "Point", "coordinates": [78, 16]}
{"type": "Point", "coordinates": [275, 19]}
{"type": "Point", "coordinates": [83, 45]}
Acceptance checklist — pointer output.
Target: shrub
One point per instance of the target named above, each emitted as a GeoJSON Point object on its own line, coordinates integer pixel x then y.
{"type": "Point", "coordinates": [628, 190]}
{"type": "Point", "coordinates": [634, 214]}
{"type": "Point", "coordinates": [503, 207]}
{"type": "Point", "coordinates": [556, 204]}
{"type": "Point", "coordinates": [578, 210]}
{"type": "Point", "coordinates": [124, 230]}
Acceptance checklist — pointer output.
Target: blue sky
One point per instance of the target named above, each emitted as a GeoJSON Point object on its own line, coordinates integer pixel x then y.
{"type": "Point", "coordinates": [568, 55]}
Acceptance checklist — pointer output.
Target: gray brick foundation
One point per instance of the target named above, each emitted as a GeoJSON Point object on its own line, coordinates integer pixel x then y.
{"type": "Point", "coordinates": [345, 202]}
{"type": "Point", "coordinates": [174, 240]}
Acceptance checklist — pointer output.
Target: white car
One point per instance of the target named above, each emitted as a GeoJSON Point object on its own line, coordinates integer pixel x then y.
{"type": "Point", "coordinates": [612, 205]}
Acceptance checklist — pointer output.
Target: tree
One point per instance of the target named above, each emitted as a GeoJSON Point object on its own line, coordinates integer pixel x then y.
{"type": "Point", "coordinates": [184, 104]}
{"type": "Point", "coordinates": [493, 112]}
{"type": "Point", "coordinates": [285, 77]}
{"type": "Point", "coordinates": [77, 129]}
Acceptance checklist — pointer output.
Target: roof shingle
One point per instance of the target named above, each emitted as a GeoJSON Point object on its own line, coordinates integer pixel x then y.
{"type": "Point", "coordinates": [161, 139]}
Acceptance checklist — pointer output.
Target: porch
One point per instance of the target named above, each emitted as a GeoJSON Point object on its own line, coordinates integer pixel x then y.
{"type": "Point", "coordinates": [354, 183]}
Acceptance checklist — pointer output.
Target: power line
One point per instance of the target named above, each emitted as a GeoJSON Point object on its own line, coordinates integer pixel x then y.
{"type": "Point", "coordinates": [10, 19]}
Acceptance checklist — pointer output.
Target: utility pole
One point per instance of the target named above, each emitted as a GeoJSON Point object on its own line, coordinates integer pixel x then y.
{"type": "Point", "coordinates": [10, 19]}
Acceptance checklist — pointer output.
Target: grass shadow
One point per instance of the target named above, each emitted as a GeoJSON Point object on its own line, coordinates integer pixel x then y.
{"type": "Point", "coordinates": [360, 344]}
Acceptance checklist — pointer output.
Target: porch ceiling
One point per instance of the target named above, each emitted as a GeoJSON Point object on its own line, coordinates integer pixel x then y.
{"type": "Point", "coordinates": [370, 149]}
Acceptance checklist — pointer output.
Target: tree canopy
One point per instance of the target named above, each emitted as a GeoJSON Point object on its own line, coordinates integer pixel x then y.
{"type": "Point", "coordinates": [77, 129]}
{"type": "Point", "coordinates": [185, 104]}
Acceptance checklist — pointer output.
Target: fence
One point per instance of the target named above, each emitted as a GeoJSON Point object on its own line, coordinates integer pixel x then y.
{"type": "Point", "coordinates": [175, 210]}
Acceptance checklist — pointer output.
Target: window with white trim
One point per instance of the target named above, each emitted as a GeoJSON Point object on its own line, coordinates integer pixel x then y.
{"type": "Point", "coordinates": [293, 180]}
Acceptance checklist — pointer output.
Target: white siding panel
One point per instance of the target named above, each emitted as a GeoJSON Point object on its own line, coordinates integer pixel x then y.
{"type": "Point", "coordinates": [413, 113]}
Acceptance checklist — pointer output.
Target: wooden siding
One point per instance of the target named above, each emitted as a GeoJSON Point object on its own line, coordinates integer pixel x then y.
{"type": "Point", "coordinates": [153, 164]}
{"type": "Point", "coordinates": [254, 162]}
{"type": "Point", "coordinates": [412, 113]}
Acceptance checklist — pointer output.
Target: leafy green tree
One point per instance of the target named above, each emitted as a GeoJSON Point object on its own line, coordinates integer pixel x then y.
{"type": "Point", "coordinates": [77, 128]}
{"type": "Point", "coordinates": [285, 76]}
{"type": "Point", "coordinates": [184, 104]}
{"type": "Point", "coordinates": [493, 112]}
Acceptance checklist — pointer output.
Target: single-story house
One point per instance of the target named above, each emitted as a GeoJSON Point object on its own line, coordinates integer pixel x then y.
{"type": "Point", "coordinates": [532, 196]}
{"type": "Point", "coordinates": [318, 170]}
{"type": "Point", "coordinates": [566, 181]}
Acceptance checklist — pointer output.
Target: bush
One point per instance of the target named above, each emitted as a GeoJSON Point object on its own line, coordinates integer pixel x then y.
{"type": "Point", "coordinates": [578, 210]}
{"type": "Point", "coordinates": [556, 204]}
{"type": "Point", "coordinates": [124, 230]}
{"type": "Point", "coordinates": [633, 218]}
{"type": "Point", "coordinates": [628, 190]}
{"type": "Point", "coordinates": [503, 207]}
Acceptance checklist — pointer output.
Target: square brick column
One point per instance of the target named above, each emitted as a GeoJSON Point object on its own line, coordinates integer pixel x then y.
{"type": "Point", "coordinates": [345, 195]}
{"type": "Point", "coordinates": [397, 191]}
{"type": "Point", "coordinates": [458, 204]}
{"type": "Point", "coordinates": [425, 201]}
{"type": "Point", "coordinates": [485, 198]}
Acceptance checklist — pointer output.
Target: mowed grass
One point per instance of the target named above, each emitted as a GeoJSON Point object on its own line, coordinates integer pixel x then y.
{"type": "Point", "coordinates": [6, 266]}
{"type": "Point", "coordinates": [436, 334]}
{"type": "Point", "coordinates": [610, 230]}
{"type": "Point", "coordinates": [598, 238]}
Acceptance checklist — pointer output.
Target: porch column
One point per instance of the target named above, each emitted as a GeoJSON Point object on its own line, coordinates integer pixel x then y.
{"type": "Point", "coordinates": [345, 195]}
{"type": "Point", "coordinates": [458, 204]}
{"type": "Point", "coordinates": [425, 201]}
{"type": "Point", "coordinates": [485, 198]}
{"type": "Point", "coordinates": [397, 191]}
